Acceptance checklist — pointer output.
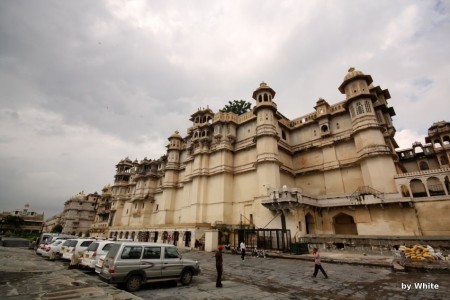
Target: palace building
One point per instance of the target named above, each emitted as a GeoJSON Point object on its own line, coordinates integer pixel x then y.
{"type": "Point", "coordinates": [262, 177]}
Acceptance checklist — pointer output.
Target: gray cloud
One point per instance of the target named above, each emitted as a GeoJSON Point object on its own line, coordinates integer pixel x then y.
{"type": "Point", "coordinates": [86, 83]}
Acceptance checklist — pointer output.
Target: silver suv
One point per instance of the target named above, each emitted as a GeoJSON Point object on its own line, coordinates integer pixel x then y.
{"type": "Point", "coordinates": [135, 263]}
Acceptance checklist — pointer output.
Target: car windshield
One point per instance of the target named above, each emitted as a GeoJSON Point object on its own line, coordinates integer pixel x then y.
{"type": "Point", "coordinates": [92, 247]}
{"type": "Point", "coordinates": [107, 247]}
{"type": "Point", "coordinates": [67, 243]}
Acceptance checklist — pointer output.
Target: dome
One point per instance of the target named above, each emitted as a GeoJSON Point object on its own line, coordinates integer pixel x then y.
{"type": "Point", "coordinates": [176, 135]}
{"type": "Point", "coordinates": [263, 87]}
{"type": "Point", "coordinates": [354, 74]}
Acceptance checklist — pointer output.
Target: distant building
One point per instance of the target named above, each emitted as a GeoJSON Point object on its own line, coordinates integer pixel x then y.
{"type": "Point", "coordinates": [268, 180]}
{"type": "Point", "coordinates": [100, 227]}
{"type": "Point", "coordinates": [32, 221]}
{"type": "Point", "coordinates": [50, 223]}
{"type": "Point", "coordinates": [79, 213]}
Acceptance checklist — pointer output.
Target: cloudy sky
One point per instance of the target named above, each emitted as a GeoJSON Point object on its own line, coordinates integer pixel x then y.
{"type": "Point", "coordinates": [86, 83]}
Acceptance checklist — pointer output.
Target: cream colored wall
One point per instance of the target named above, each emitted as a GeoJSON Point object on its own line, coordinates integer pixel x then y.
{"type": "Point", "coordinates": [245, 131]}
{"type": "Point", "coordinates": [245, 157]}
{"type": "Point", "coordinates": [352, 178]}
{"type": "Point", "coordinates": [285, 159]}
{"type": "Point", "coordinates": [433, 217]}
{"type": "Point", "coordinates": [392, 220]}
{"type": "Point", "coordinates": [311, 184]}
{"type": "Point", "coordinates": [311, 159]}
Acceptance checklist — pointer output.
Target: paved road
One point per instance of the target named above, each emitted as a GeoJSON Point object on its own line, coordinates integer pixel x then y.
{"type": "Point", "coordinates": [24, 275]}
{"type": "Point", "coordinates": [275, 278]}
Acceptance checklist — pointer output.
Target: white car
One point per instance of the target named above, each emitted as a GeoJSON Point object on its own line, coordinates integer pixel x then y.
{"type": "Point", "coordinates": [76, 246]}
{"type": "Point", "coordinates": [92, 253]}
{"type": "Point", "coordinates": [52, 251]}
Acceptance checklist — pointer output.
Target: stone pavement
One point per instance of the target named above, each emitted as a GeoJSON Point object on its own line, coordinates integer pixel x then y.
{"type": "Point", "coordinates": [24, 275]}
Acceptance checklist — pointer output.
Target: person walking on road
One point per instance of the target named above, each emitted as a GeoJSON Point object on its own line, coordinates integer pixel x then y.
{"type": "Point", "coordinates": [242, 246]}
{"type": "Point", "coordinates": [219, 267]}
{"type": "Point", "coordinates": [317, 265]}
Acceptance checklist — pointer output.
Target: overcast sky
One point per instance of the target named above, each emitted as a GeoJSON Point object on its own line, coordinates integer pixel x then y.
{"type": "Point", "coordinates": [85, 84]}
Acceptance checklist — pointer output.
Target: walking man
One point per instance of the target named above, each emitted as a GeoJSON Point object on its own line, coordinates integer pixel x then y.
{"type": "Point", "coordinates": [317, 265]}
{"type": "Point", "coordinates": [242, 246]}
{"type": "Point", "coordinates": [219, 267]}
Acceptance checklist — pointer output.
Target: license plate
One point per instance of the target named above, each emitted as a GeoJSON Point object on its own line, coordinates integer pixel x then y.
{"type": "Point", "coordinates": [100, 263]}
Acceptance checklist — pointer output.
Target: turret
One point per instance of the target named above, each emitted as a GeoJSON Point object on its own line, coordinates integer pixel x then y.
{"type": "Point", "coordinates": [266, 138]}
{"type": "Point", "coordinates": [173, 151]}
{"type": "Point", "coordinates": [375, 156]}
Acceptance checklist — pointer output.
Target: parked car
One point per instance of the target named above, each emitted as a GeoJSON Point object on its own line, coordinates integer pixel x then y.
{"type": "Point", "coordinates": [53, 250]}
{"type": "Point", "coordinates": [76, 246]}
{"type": "Point", "coordinates": [135, 263]}
{"type": "Point", "coordinates": [93, 252]}
{"type": "Point", "coordinates": [99, 264]}
{"type": "Point", "coordinates": [46, 238]}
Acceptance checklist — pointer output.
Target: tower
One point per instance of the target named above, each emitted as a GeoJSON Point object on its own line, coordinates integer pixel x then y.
{"type": "Point", "coordinates": [375, 157]}
{"type": "Point", "coordinates": [267, 162]}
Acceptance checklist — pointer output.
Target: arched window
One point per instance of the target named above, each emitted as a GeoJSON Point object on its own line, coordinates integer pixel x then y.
{"type": "Point", "coordinates": [359, 108]}
{"type": "Point", "coordinates": [266, 98]}
{"type": "Point", "coordinates": [444, 160]}
{"type": "Point", "coordinates": [435, 187]}
{"type": "Point", "coordinates": [283, 135]}
{"type": "Point", "coordinates": [259, 98]}
{"type": "Point", "coordinates": [418, 188]}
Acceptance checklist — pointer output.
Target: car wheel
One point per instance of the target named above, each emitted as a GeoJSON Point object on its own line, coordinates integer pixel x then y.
{"type": "Point", "coordinates": [133, 283]}
{"type": "Point", "coordinates": [186, 277]}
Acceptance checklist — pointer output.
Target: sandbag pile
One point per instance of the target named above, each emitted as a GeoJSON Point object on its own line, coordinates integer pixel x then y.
{"type": "Point", "coordinates": [418, 252]}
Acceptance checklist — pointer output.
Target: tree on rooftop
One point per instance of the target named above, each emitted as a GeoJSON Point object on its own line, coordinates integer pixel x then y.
{"type": "Point", "coordinates": [57, 228]}
{"type": "Point", "coordinates": [238, 107]}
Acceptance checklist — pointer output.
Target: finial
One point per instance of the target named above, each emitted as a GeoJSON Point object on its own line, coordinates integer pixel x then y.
{"type": "Point", "coordinates": [351, 69]}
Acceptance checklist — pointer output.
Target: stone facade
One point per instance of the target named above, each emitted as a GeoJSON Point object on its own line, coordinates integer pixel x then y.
{"type": "Point", "coordinates": [100, 226]}
{"type": "Point", "coordinates": [50, 223]}
{"type": "Point", "coordinates": [79, 213]}
{"type": "Point", "coordinates": [334, 171]}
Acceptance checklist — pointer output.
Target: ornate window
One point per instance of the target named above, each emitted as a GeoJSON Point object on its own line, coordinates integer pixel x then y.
{"type": "Point", "coordinates": [368, 106]}
{"type": "Point", "coordinates": [359, 108]}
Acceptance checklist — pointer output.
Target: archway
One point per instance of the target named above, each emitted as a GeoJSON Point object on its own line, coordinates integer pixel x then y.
{"type": "Point", "coordinates": [176, 236]}
{"type": "Point", "coordinates": [187, 239]}
{"type": "Point", "coordinates": [310, 224]}
{"type": "Point", "coordinates": [344, 224]}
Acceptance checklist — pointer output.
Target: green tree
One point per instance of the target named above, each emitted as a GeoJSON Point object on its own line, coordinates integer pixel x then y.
{"type": "Point", "coordinates": [238, 107]}
{"type": "Point", "coordinates": [57, 228]}
{"type": "Point", "coordinates": [13, 222]}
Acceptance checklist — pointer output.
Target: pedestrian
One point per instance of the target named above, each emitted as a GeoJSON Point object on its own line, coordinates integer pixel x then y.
{"type": "Point", "coordinates": [219, 267]}
{"type": "Point", "coordinates": [242, 246]}
{"type": "Point", "coordinates": [317, 265]}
